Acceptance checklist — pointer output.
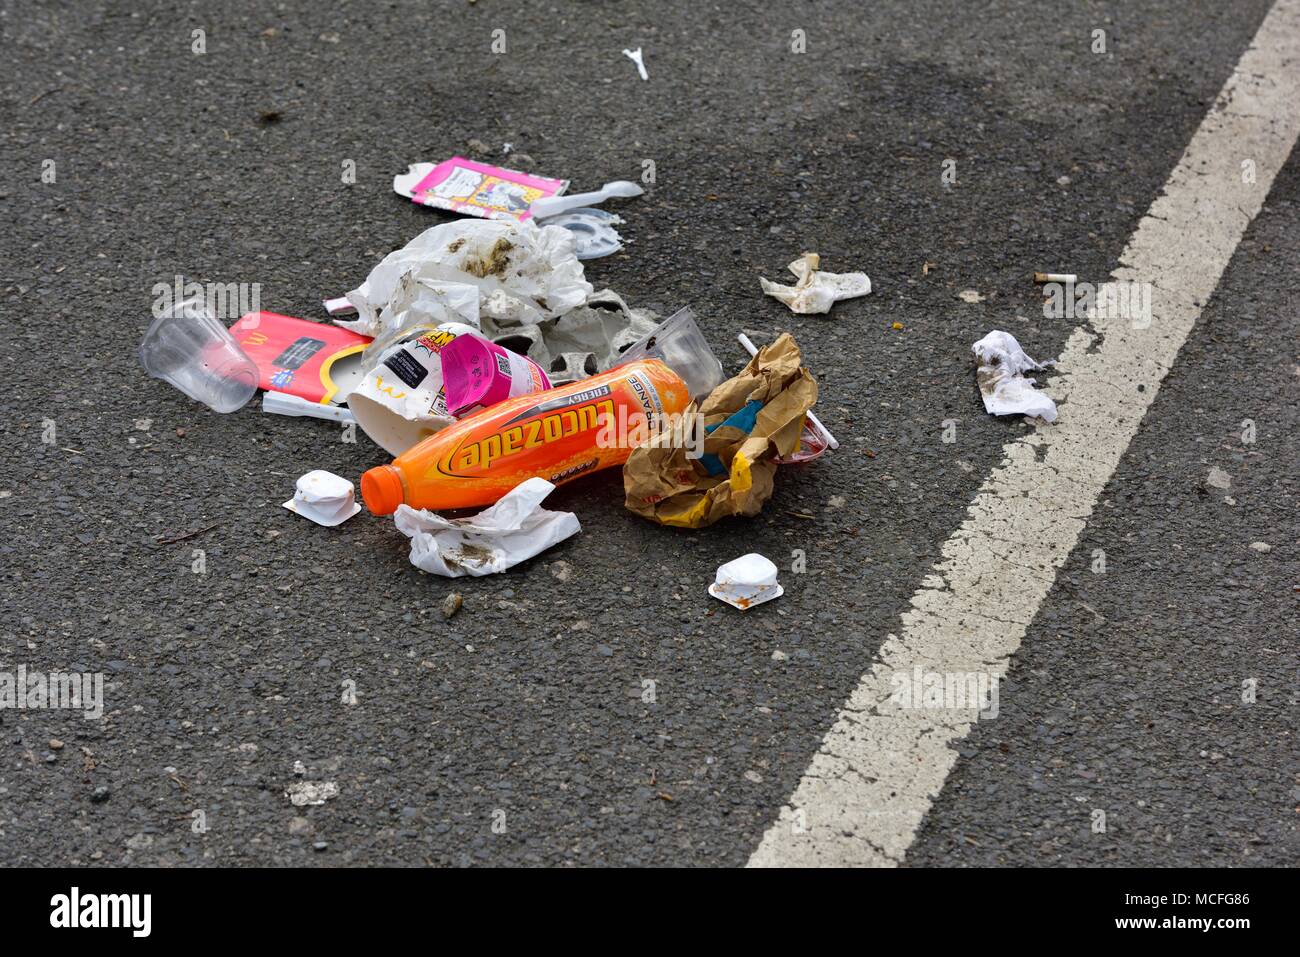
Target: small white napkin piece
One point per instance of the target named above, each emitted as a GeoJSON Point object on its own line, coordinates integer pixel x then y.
{"type": "Point", "coordinates": [1000, 365]}
{"type": "Point", "coordinates": [816, 292]}
{"type": "Point", "coordinates": [513, 530]}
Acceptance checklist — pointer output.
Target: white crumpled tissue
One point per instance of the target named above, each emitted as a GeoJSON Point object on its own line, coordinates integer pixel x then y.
{"type": "Point", "coordinates": [1000, 365]}
{"type": "Point", "coordinates": [816, 292]}
{"type": "Point", "coordinates": [513, 530]}
{"type": "Point", "coordinates": [515, 273]}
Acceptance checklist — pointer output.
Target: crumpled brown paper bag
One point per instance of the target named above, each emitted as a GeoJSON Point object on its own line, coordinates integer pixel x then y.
{"type": "Point", "coordinates": [662, 484]}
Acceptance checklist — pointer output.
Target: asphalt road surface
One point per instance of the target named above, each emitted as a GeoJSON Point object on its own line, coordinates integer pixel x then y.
{"type": "Point", "coordinates": [1160, 690]}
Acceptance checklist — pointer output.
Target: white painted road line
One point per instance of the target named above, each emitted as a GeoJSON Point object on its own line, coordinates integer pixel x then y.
{"type": "Point", "coordinates": [881, 765]}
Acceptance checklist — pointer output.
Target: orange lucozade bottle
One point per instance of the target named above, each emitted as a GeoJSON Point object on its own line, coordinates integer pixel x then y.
{"type": "Point", "coordinates": [551, 435]}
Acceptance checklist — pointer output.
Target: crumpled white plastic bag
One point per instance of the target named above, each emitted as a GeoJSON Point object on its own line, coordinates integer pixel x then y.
{"type": "Point", "coordinates": [999, 367]}
{"type": "Point", "coordinates": [816, 292]}
{"type": "Point", "coordinates": [515, 273]}
{"type": "Point", "coordinates": [513, 530]}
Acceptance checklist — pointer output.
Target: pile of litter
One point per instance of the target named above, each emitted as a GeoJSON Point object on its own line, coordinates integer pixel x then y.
{"type": "Point", "coordinates": [481, 358]}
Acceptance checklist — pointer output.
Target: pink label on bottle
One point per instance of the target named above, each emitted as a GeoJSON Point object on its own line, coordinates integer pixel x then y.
{"type": "Point", "coordinates": [477, 373]}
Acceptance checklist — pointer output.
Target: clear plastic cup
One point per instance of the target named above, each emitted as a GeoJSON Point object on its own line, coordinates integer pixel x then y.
{"type": "Point", "coordinates": [188, 347]}
{"type": "Point", "coordinates": [680, 344]}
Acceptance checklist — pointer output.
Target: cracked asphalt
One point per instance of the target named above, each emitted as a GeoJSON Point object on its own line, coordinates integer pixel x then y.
{"type": "Point", "coordinates": [518, 732]}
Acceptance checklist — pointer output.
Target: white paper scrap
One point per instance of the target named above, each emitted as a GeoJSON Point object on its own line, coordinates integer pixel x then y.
{"type": "Point", "coordinates": [513, 530]}
{"type": "Point", "coordinates": [816, 292]}
{"type": "Point", "coordinates": [1000, 365]}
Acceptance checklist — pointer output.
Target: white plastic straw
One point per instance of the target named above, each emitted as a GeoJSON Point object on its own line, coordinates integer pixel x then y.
{"type": "Point", "coordinates": [282, 403]}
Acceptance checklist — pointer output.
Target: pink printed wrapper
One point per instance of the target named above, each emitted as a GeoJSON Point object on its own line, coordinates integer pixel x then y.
{"type": "Point", "coordinates": [489, 192]}
{"type": "Point", "coordinates": [477, 373]}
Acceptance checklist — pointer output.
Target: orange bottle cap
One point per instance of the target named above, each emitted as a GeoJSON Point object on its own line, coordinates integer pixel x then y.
{"type": "Point", "coordinates": [382, 489]}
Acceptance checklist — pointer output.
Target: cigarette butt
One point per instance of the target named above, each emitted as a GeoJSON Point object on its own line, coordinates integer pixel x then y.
{"type": "Point", "coordinates": [1063, 277]}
